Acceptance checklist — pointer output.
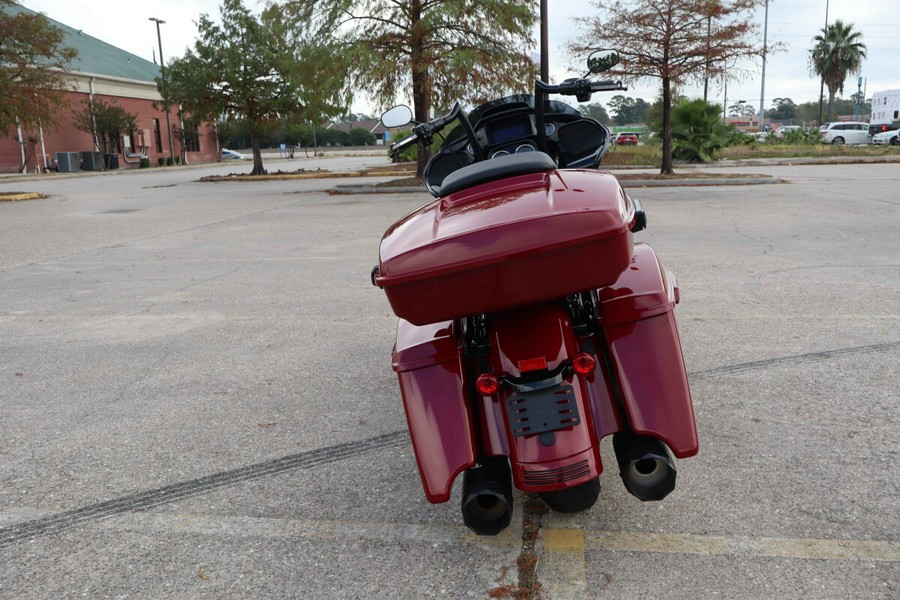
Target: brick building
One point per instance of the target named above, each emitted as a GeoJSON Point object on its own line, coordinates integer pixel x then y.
{"type": "Point", "coordinates": [105, 72]}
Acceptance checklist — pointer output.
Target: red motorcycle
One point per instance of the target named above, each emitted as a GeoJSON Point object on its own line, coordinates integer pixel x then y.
{"type": "Point", "coordinates": [531, 325]}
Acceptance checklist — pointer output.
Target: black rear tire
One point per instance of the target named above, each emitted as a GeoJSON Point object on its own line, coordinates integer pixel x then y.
{"type": "Point", "coordinates": [574, 499]}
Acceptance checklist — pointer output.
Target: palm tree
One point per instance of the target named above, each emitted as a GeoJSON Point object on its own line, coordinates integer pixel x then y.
{"type": "Point", "coordinates": [837, 52]}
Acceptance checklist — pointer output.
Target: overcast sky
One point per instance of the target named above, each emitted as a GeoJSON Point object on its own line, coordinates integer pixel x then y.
{"type": "Point", "coordinates": [792, 22]}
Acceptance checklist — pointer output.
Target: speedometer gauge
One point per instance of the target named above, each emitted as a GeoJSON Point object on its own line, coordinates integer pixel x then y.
{"type": "Point", "coordinates": [549, 129]}
{"type": "Point", "coordinates": [500, 153]}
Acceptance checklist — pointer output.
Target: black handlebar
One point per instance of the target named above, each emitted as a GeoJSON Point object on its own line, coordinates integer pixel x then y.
{"type": "Point", "coordinates": [575, 87]}
{"type": "Point", "coordinates": [426, 131]}
{"type": "Point", "coordinates": [581, 88]}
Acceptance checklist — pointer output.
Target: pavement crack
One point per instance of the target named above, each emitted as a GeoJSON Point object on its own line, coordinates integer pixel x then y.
{"type": "Point", "coordinates": [527, 587]}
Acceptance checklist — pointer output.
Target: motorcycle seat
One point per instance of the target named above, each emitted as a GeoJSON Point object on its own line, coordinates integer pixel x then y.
{"type": "Point", "coordinates": [496, 168]}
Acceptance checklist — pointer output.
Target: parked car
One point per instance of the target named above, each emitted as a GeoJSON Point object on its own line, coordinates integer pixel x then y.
{"type": "Point", "coordinates": [626, 138]}
{"type": "Point", "coordinates": [886, 137]}
{"type": "Point", "coordinates": [232, 155]}
{"type": "Point", "coordinates": [786, 128]}
{"type": "Point", "coordinates": [845, 132]}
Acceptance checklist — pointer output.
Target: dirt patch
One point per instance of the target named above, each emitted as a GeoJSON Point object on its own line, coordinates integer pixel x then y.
{"type": "Point", "coordinates": [18, 196]}
{"type": "Point", "coordinates": [389, 171]}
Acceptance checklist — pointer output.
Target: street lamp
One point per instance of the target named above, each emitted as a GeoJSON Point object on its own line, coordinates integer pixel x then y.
{"type": "Point", "coordinates": [162, 72]}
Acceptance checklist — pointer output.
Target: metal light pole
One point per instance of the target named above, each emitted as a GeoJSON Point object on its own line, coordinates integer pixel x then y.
{"type": "Point", "coordinates": [859, 81]}
{"type": "Point", "coordinates": [162, 72]}
{"type": "Point", "coordinates": [545, 44]}
{"type": "Point", "coordinates": [822, 84]}
{"type": "Point", "coordinates": [762, 92]}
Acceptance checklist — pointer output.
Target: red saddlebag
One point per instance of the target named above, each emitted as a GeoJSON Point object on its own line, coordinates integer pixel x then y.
{"type": "Point", "coordinates": [428, 365]}
{"type": "Point", "coordinates": [636, 314]}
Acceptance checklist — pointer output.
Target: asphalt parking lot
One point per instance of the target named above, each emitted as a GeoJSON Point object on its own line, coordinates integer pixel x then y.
{"type": "Point", "coordinates": [196, 401]}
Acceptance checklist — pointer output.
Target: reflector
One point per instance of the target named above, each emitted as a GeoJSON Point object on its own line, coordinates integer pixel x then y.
{"type": "Point", "coordinates": [584, 363]}
{"type": "Point", "coordinates": [532, 364]}
{"type": "Point", "coordinates": [487, 384]}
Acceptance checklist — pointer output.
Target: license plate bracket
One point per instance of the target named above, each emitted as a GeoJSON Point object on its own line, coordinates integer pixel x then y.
{"type": "Point", "coordinates": [538, 411]}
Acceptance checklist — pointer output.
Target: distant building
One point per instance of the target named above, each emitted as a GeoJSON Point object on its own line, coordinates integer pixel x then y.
{"type": "Point", "coordinates": [106, 72]}
{"type": "Point", "coordinates": [373, 126]}
{"type": "Point", "coordinates": [749, 124]}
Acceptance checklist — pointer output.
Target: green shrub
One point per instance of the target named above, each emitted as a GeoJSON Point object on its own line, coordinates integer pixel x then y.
{"type": "Point", "coordinates": [359, 136]}
{"type": "Point", "coordinates": [161, 161]}
{"type": "Point", "coordinates": [170, 161]}
{"type": "Point", "coordinates": [145, 163]}
{"type": "Point", "coordinates": [697, 131]}
{"type": "Point", "coordinates": [803, 137]}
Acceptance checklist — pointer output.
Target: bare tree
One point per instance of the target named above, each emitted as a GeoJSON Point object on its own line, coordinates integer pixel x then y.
{"type": "Point", "coordinates": [675, 41]}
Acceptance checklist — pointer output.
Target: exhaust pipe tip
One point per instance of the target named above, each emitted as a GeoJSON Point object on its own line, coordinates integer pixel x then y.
{"type": "Point", "coordinates": [645, 465]}
{"type": "Point", "coordinates": [487, 503]}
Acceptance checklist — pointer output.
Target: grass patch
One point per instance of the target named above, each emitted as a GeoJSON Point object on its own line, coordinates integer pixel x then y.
{"type": "Point", "coordinates": [769, 150]}
{"type": "Point", "coordinates": [651, 154]}
{"type": "Point", "coordinates": [18, 196]}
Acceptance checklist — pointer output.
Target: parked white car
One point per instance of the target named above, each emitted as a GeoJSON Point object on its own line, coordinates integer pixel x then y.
{"type": "Point", "coordinates": [232, 155]}
{"type": "Point", "coordinates": [845, 132]}
{"type": "Point", "coordinates": [886, 137]}
{"type": "Point", "coordinates": [785, 128]}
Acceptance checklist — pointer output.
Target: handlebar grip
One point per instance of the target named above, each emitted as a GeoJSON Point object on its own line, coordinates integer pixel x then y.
{"type": "Point", "coordinates": [607, 86]}
{"type": "Point", "coordinates": [407, 141]}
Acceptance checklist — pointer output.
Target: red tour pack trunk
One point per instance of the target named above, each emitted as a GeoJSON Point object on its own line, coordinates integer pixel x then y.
{"type": "Point", "coordinates": [505, 244]}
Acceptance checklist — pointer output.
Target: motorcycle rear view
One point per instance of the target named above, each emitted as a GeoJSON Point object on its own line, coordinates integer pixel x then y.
{"type": "Point", "coordinates": [531, 325]}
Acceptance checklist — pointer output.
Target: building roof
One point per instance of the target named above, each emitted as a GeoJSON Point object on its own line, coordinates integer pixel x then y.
{"type": "Point", "coordinates": [96, 57]}
{"type": "Point", "coordinates": [370, 125]}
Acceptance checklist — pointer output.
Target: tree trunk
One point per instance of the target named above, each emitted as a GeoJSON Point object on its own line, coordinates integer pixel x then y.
{"type": "Point", "coordinates": [257, 155]}
{"type": "Point", "coordinates": [420, 84]}
{"type": "Point", "coordinates": [831, 94]}
{"type": "Point", "coordinates": [666, 168]}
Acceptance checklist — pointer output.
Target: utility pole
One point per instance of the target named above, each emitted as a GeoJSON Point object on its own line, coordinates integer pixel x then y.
{"type": "Point", "coordinates": [162, 72]}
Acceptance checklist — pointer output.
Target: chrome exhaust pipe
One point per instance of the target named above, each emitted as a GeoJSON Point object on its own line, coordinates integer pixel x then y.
{"type": "Point", "coordinates": [487, 502]}
{"type": "Point", "coordinates": [645, 465]}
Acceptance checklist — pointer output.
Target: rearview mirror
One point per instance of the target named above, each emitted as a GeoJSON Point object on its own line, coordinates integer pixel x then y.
{"type": "Point", "coordinates": [397, 117]}
{"type": "Point", "coordinates": [602, 60]}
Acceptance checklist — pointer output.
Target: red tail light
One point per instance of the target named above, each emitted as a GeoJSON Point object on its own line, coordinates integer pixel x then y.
{"type": "Point", "coordinates": [584, 363]}
{"type": "Point", "coordinates": [487, 384]}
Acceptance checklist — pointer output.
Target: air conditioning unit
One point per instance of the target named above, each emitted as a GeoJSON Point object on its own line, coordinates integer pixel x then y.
{"type": "Point", "coordinates": [92, 161]}
{"type": "Point", "coordinates": [67, 162]}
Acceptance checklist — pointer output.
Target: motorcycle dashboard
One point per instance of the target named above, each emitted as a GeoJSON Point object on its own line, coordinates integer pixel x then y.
{"type": "Point", "coordinates": [507, 129]}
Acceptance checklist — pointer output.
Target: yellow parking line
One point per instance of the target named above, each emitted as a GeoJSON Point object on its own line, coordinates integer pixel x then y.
{"type": "Point", "coordinates": [799, 548]}
{"type": "Point", "coordinates": [563, 570]}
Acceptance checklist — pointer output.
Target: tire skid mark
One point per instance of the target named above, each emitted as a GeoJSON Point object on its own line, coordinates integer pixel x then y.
{"type": "Point", "coordinates": [314, 458]}
{"type": "Point", "coordinates": [171, 493]}
{"type": "Point", "coordinates": [760, 365]}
